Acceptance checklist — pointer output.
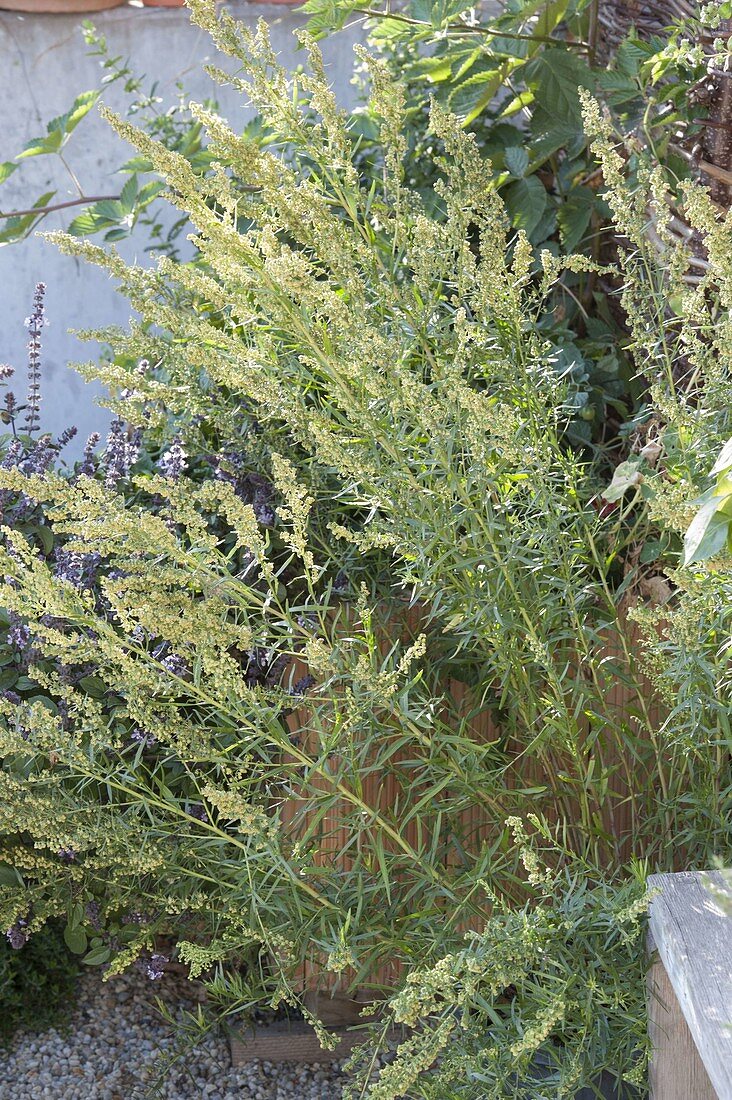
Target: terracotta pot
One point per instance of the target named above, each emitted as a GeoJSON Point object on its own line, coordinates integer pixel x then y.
{"type": "Point", "coordinates": [181, 3]}
{"type": "Point", "coordinates": [59, 7]}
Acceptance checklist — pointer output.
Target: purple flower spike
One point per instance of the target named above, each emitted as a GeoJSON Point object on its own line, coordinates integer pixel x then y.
{"type": "Point", "coordinates": [35, 324]}
{"type": "Point", "coordinates": [18, 635]}
{"type": "Point", "coordinates": [88, 467]}
{"type": "Point", "coordinates": [156, 967]}
{"type": "Point", "coordinates": [94, 915]}
{"type": "Point", "coordinates": [175, 665]}
{"type": "Point", "coordinates": [303, 685]}
{"type": "Point", "coordinates": [17, 936]}
{"type": "Point", "coordinates": [80, 570]}
{"type": "Point", "coordinates": [66, 855]}
{"type": "Point", "coordinates": [121, 452]}
{"type": "Point", "coordinates": [141, 737]}
{"type": "Point", "coordinates": [66, 436]}
{"type": "Point", "coordinates": [172, 463]}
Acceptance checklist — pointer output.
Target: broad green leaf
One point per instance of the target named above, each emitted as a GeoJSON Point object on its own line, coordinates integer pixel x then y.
{"type": "Point", "coordinates": [76, 916]}
{"type": "Point", "coordinates": [97, 956]}
{"type": "Point", "coordinates": [8, 678]}
{"type": "Point", "coordinates": [116, 235]}
{"type": "Point", "coordinates": [129, 195]}
{"type": "Point", "coordinates": [93, 686]}
{"type": "Point", "coordinates": [525, 202]}
{"type": "Point", "coordinates": [24, 683]}
{"type": "Point", "coordinates": [87, 223]}
{"type": "Point", "coordinates": [75, 939]}
{"type": "Point", "coordinates": [724, 461]}
{"type": "Point", "coordinates": [475, 93]}
{"type": "Point", "coordinates": [517, 160]}
{"type": "Point", "coordinates": [550, 16]}
{"type": "Point", "coordinates": [574, 216]}
{"type": "Point", "coordinates": [327, 15]}
{"type": "Point", "coordinates": [426, 11]}
{"type": "Point", "coordinates": [6, 169]}
{"type": "Point", "coordinates": [109, 208]}
{"type": "Point", "coordinates": [434, 69]}
{"type": "Point", "coordinates": [80, 108]}
{"type": "Point", "coordinates": [707, 533]}
{"type": "Point", "coordinates": [149, 192]}
{"type": "Point", "coordinates": [627, 476]}
{"type": "Point", "coordinates": [9, 876]}
{"type": "Point", "coordinates": [44, 535]}
{"type": "Point", "coordinates": [36, 147]}
{"type": "Point", "coordinates": [518, 103]}
{"type": "Point", "coordinates": [556, 77]}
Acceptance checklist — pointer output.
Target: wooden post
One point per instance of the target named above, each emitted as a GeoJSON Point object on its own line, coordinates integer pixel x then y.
{"type": "Point", "coordinates": [690, 990]}
{"type": "Point", "coordinates": [676, 1071]}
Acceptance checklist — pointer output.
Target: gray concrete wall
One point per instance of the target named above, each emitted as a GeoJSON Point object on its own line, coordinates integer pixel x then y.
{"type": "Point", "coordinates": [43, 66]}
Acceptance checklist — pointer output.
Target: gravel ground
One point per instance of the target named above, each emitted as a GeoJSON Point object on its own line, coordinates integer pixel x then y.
{"type": "Point", "coordinates": [114, 1040]}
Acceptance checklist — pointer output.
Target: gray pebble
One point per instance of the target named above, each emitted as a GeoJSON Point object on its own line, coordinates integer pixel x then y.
{"type": "Point", "coordinates": [114, 1039]}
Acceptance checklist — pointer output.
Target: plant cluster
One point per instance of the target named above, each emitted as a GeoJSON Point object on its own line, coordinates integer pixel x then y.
{"type": "Point", "coordinates": [333, 659]}
{"type": "Point", "coordinates": [38, 983]}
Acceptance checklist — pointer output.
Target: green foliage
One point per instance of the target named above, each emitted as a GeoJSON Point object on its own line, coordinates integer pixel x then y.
{"type": "Point", "coordinates": [680, 331]}
{"type": "Point", "coordinates": [37, 983]}
{"type": "Point", "coordinates": [526, 120]}
{"type": "Point", "coordinates": [386, 361]}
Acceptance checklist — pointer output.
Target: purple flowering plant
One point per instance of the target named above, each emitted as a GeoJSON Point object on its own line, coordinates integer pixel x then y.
{"type": "Point", "coordinates": [100, 919]}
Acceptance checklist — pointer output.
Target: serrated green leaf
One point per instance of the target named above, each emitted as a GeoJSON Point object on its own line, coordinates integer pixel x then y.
{"type": "Point", "coordinates": [80, 108]}
{"type": "Point", "coordinates": [473, 95]}
{"type": "Point", "coordinates": [129, 195]}
{"type": "Point", "coordinates": [517, 161]}
{"type": "Point", "coordinates": [36, 147]}
{"type": "Point", "coordinates": [17, 228]}
{"type": "Point", "coordinates": [6, 169]}
{"type": "Point", "coordinates": [110, 209]}
{"type": "Point", "coordinates": [574, 216]}
{"type": "Point", "coordinates": [116, 235]}
{"type": "Point", "coordinates": [149, 192]}
{"type": "Point", "coordinates": [556, 77]}
{"type": "Point", "coordinates": [87, 223]}
{"type": "Point", "coordinates": [327, 15]}
{"type": "Point", "coordinates": [526, 202]}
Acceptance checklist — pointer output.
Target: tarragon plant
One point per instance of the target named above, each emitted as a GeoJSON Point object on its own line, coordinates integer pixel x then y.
{"type": "Point", "coordinates": [311, 724]}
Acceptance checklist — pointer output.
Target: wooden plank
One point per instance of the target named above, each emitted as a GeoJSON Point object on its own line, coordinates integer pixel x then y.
{"type": "Point", "coordinates": [296, 1041]}
{"type": "Point", "coordinates": [693, 937]}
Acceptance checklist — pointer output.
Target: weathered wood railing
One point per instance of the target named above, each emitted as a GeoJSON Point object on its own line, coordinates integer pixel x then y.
{"type": "Point", "coordinates": [690, 989]}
